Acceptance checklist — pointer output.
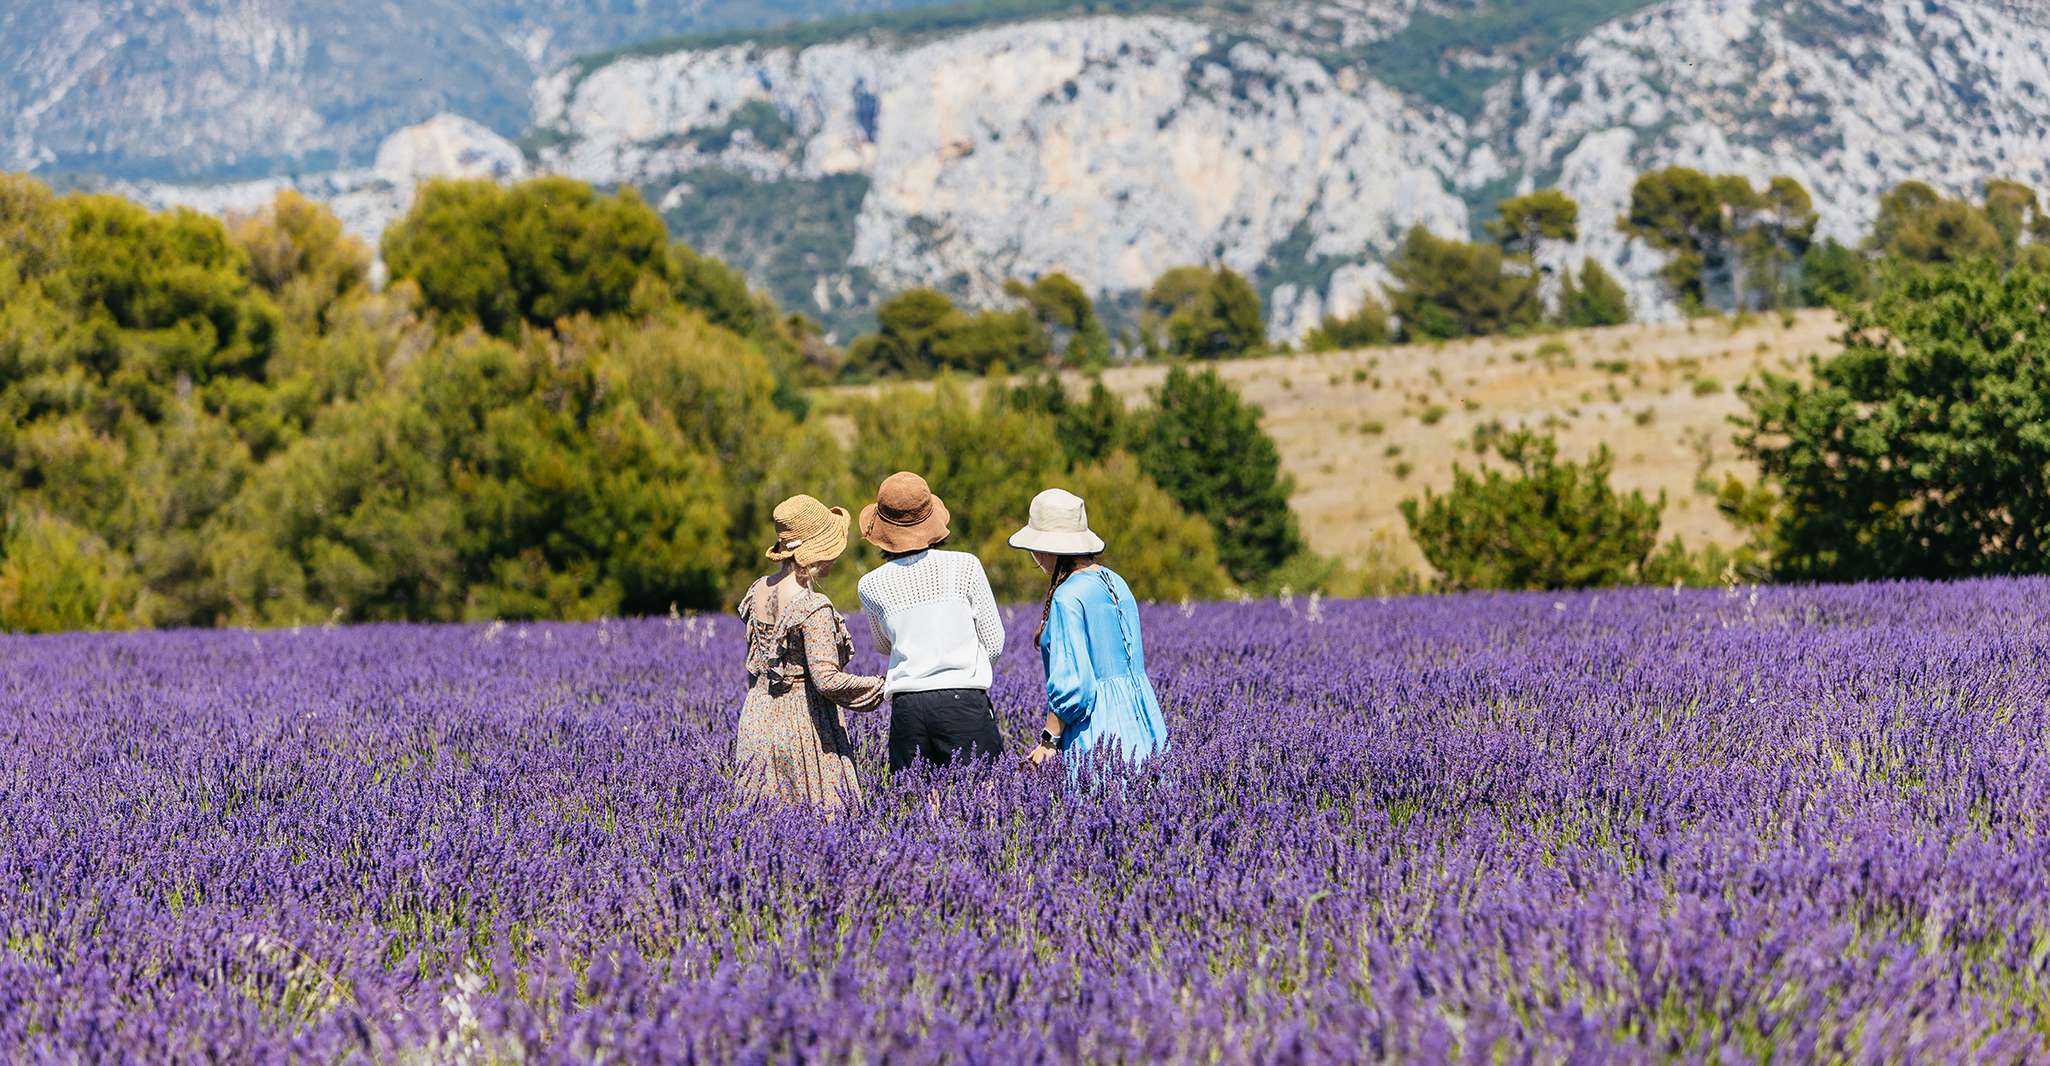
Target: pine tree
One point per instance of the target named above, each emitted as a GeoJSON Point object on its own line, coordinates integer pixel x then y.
{"type": "Point", "coordinates": [1917, 451]}
{"type": "Point", "coordinates": [1204, 445]}
{"type": "Point", "coordinates": [1459, 289]}
{"type": "Point", "coordinates": [1524, 223]}
{"type": "Point", "coordinates": [1596, 299]}
{"type": "Point", "coordinates": [1543, 524]}
{"type": "Point", "coordinates": [1679, 211]}
{"type": "Point", "coordinates": [1204, 313]}
{"type": "Point", "coordinates": [1364, 328]}
{"type": "Point", "coordinates": [1919, 224]}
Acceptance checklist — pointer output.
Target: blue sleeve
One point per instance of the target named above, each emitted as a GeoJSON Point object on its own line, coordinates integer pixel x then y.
{"type": "Point", "coordinates": [1070, 676]}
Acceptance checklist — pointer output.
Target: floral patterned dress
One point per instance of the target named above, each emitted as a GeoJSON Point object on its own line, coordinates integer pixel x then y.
{"type": "Point", "coordinates": [792, 742]}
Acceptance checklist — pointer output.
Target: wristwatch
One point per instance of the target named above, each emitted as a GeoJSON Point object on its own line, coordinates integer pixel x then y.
{"type": "Point", "coordinates": [1049, 739]}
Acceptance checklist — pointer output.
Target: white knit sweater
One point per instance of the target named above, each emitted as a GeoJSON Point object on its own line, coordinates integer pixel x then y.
{"type": "Point", "coordinates": [935, 617]}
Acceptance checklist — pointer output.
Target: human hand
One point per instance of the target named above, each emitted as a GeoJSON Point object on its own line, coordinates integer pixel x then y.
{"type": "Point", "coordinates": [1040, 754]}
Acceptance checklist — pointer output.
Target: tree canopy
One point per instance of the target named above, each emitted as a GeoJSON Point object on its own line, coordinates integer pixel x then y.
{"type": "Point", "coordinates": [1541, 524]}
{"type": "Point", "coordinates": [1204, 446]}
{"type": "Point", "coordinates": [1459, 289]}
{"type": "Point", "coordinates": [1204, 313]}
{"type": "Point", "coordinates": [1922, 448]}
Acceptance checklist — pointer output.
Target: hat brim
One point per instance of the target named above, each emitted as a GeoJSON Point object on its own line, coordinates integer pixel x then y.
{"type": "Point", "coordinates": [897, 539]}
{"type": "Point", "coordinates": [1080, 542]}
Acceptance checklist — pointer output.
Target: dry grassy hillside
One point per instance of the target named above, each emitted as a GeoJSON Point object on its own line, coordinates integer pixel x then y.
{"type": "Point", "coordinates": [1361, 430]}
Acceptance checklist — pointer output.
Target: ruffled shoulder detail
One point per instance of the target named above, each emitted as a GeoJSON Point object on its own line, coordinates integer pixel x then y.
{"type": "Point", "coordinates": [746, 608]}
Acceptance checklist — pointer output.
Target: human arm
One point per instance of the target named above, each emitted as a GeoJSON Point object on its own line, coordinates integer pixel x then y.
{"type": "Point", "coordinates": [825, 662]}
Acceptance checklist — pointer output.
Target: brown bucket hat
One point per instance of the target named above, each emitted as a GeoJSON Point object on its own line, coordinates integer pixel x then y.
{"type": "Point", "coordinates": [906, 516]}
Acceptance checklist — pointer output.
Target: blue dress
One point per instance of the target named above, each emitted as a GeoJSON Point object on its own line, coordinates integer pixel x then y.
{"type": "Point", "coordinates": [1096, 670]}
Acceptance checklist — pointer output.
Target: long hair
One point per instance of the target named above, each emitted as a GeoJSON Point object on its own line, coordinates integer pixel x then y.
{"type": "Point", "coordinates": [1064, 567]}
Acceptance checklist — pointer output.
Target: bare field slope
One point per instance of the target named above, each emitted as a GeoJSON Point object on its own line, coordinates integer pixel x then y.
{"type": "Point", "coordinates": [1361, 430]}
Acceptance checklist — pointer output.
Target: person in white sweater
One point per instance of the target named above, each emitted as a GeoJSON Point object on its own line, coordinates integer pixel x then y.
{"type": "Point", "coordinates": [933, 614]}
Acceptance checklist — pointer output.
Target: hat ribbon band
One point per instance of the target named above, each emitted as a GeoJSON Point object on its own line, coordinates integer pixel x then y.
{"type": "Point", "coordinates": [905, 518]}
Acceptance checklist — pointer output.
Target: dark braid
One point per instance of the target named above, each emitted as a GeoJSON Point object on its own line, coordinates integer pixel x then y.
{"type": "Point", "coordinates": [1064, 567]}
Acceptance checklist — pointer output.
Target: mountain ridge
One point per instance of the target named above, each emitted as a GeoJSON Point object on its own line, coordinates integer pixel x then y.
{"type": "Point", "coordinates": [834, 169]}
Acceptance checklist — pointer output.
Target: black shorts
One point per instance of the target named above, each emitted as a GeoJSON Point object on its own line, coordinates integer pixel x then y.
{"type": "Point", "coordinates": [941, 726]}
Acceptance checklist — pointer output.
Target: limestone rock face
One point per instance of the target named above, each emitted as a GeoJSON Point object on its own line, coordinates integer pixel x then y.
{"type": "Point", "coordinates": [1115, 147]}
{"type": "Point", "coordinates": [1849, 96]}
{"type": "Point", "coordinates": [1108, 148]}
{"type": "Point", "coordinates": [368, 199]}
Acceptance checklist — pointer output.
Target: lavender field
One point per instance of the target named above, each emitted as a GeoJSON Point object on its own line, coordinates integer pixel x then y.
{"type": "Point", "coordinates": [1785, 825]}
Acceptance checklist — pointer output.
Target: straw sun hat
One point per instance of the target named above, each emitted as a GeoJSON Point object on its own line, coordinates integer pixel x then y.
{"type": "Point", "coordinates": [809, 532]}
{"type": "Point", "coordinates": [1058, 525]}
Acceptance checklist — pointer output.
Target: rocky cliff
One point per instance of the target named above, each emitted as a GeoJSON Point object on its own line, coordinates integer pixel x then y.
{"type": "Point", "coordinates": [225, 89]}
{"type": "Point", "coordinates": [1266, 137]}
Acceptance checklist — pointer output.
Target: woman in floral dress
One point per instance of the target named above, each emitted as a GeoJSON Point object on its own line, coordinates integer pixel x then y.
{"type": "Point", "coordinates": [792, 741]}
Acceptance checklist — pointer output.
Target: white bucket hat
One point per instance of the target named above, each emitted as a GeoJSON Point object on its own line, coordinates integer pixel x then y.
{"type": "Point", "coordinates": [1059, 526]}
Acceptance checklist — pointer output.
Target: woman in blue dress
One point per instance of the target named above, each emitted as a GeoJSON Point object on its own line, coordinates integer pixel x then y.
{"type": "Point", "coordinates": [1097, 692]}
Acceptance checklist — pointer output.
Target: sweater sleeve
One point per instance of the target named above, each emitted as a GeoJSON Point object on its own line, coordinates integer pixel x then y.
{"type": "Point", "coordinates": [1070, 675]}
{"type": "Point", "coordinates": [823, 661]}
{"type": "Point", "coordinates": [874, 612]}
{"type": "Point", "coordinates": [989, 625]}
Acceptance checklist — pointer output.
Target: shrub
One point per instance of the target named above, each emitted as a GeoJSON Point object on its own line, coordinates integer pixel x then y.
{"type": "Point", "coordinates": [1544, 524]}
{"type": "Point", "coordinates": [1364, 328]}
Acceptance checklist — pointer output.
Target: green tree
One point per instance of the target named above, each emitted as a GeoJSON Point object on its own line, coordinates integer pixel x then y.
{"type": "Point", "coordinates": [920, 332]}
{"type": "Point", "coordinates": [55, 576]}
{"type": "Point", "coordinates": [1523, 223]}
{"type": "Point", "coordinates": [135, 356]}
{"type": "Point", "coordinates": [1831, 272]}
{"type": "Point", "coordinates": [1364, 328]}
{"type": "Point", "coordinates": [1679, 211]}
{"type": "Point", "coordinates": [1918, 224]}
{"type": "Point", "coordinates": [988, 460]}
{"type": "Point", "coordinates": [203, 423]}
{"type": "Point", "coordinates": [1544, 524]}
{"type": "Point", "coordinates": [1204, 313]}
{"type": "Point", "coordinates": [907, 326]}
{"type": "Point", "coordinates": [2013, 210]}
{"type": "Point", "coordinates": [1067, 316]}
{"type": "Point", "coordinates": [532, 253]}
{"type": "Point", "coordinates": [985, 341]}
{"type": "Point", "coordinates": [1089, 431]}
{"type": "Point", "coordinates": [1204, 446]}
{"type": "Point", "coordinates": [298, 253]}
{"type": "Point", "coordinates": [1459, 289]}
{"type": "Point", "coordinates": [1595, 299]}
{"type": "Point", "coordinates": [1164, 552]}
{"type": "Point", "coordinates": [1919, 450]}
{"type": "Point", "coordinates": [1776, 237]}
